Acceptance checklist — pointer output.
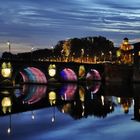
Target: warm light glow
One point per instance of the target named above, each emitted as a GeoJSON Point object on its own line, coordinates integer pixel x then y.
{"type": "Point", "coordinates": [63, 111]}
{"type": "Point", "coordinates": [6, 69]}
{"type": "Point", "coordinates": [118, 53]}
{"type": "Point", "coordinates": [66, 108]}
{"type": "Point", "coordinates": [102, 54]}
{"type": "Point", "coordinates": [6, 104]}
{"type": "Point", "coordinates": [119, 100]}
{"type": "Point", "coordinates": [81, 71]}
{"type": "Point", "coordinates": [102, 98]}
{"type": "Point", "coordinates": [82, 94]}
{"type": "Point", "coordinates": [83, 113]}
{"type": "Point", "coordinates": [8, 43]}
{"type": "Point", "coordinates": [125, 42]}
{"type": "Point", "coordinates": [139, 111]}
{"type": "Point", "coordinates": [52, 70]}
{"type": "Point", "coordinates": [3, 65]}
{"type": "Point", "coordinates": [6, 92]}
{"type": "Point", "coordinates": [52, 97]}
{"type": "Point", "coordinates": [110, 52]}
{"type": "Point", "coordinates": [6, 72]}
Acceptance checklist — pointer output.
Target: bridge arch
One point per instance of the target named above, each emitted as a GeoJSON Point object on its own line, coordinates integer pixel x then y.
{"type": "Point", "coordinates": [30, 75]}
{"type": "Point", "coordinates": [93, 74]}
{"type": "Point", "coordinates": [68, 74]}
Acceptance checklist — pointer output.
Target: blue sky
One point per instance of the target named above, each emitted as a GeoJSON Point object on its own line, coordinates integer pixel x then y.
{"type": "Point", "coordinates": [42, 23]}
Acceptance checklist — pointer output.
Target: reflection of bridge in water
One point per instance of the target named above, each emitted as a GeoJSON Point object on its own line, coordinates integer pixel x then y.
{"type": "Point", "coordinates": [76, 100]}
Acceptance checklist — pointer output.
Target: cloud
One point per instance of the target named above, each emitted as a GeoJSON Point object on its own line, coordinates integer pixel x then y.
{"type": "Point", "coordinates": [46, 22]}
{"type": "Point", "coordinates": [134, 40]}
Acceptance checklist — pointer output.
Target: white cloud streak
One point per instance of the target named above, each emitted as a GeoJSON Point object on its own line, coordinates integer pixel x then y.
{"type": "Point", "coordinates": [27, 20]}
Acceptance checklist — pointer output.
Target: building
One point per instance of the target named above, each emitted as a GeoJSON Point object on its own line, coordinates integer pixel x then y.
{"type": "Point", "coordinates": [126, 50]}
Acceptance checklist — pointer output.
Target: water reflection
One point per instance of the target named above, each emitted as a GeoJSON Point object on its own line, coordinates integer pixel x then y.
{"type": "Point", "coordinates": [77, 101]}
{"type": "Point", "coordinates": [136, 109]}
{"type": "Point", "coordinates": [68, 91]}
{"type": "Point", "coordinates": [33, 93]}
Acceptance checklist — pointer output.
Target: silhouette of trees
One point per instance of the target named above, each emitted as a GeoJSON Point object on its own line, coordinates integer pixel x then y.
{"type": "Point", "coordinates": [92, 46]}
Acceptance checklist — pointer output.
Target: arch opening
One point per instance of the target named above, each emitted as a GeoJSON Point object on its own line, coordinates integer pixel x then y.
{"type": "Point", "coordinates": [32, 75]}
{"type": "Point", "coordinates": [68, 74]}
{"type": "Point", "coordinates": [93, 75]}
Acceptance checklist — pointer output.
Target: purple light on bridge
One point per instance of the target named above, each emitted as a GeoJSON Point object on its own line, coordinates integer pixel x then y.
{"type": "Point", "coordinates": [68, 75]}
{"type": "Point", "coordinates": [67, 91]}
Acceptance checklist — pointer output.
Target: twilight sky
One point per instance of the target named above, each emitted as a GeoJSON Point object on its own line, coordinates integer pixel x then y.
{"type": "Point", "coordinates": [42, 23]}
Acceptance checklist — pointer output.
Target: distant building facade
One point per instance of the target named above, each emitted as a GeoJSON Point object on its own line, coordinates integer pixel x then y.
{"type": "Point", "coordinates": [126, 55]}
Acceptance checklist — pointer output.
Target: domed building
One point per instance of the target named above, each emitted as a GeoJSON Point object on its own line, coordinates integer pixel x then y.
{"type": "Point", "coordinates": [126, 52]}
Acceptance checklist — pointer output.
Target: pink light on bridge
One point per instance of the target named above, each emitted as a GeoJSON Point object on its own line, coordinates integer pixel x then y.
{"type": "Point", "coordinates": [33, 75]}
{"type": "Point", "coordinates": [93, 75]}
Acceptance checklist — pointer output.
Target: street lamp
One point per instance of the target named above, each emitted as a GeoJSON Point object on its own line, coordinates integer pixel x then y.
{"type": "Point", "coordinates": [52, 49]}
{"type": "Point", "coordinates": [110, 55]}
{"type": "Point", "coordinates": [31, 53]}
{"type": "Point", "coordinates": [102, 56]}
{"type": "Point", "coordinates": [9, 46]}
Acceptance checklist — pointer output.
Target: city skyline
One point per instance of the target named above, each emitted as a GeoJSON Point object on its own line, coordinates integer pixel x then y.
{"type": "Point", "coordinates": [41, 24]}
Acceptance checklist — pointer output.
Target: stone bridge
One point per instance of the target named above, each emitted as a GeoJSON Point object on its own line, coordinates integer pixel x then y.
{"type": "Point", "coordinates": [16, 72]}
{"type": "Point", "coordinates": [41, 72]}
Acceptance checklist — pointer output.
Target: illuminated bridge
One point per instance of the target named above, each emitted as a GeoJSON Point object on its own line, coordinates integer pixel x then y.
{"type": "Point", "coordinates": [15, 72]}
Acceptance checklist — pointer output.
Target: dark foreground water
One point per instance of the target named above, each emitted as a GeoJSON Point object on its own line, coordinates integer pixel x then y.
{"type": "Point", "coordinates": [69, 111]}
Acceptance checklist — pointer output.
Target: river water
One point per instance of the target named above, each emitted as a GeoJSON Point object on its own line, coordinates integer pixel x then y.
{"type": "Point", "coordinates": [84, 111]}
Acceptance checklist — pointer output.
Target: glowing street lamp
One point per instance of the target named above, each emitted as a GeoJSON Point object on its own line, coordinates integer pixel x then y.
{"type": "Point", "coordinates": [110, 55]}
{"type": "Point", "coordinates": [102, 56]}
{"type": "Point", "coordinates": [32, 53]}
{"type": "Point", "coordinates": [9, 46]}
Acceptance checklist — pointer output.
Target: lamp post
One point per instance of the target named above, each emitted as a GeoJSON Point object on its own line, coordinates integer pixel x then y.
{"type": "Point", "coordinates": [102, 56]}
{"type": "Point", "coordinates": [9, 46]}
{"type": "Point", "coordinates": [110, 55]}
